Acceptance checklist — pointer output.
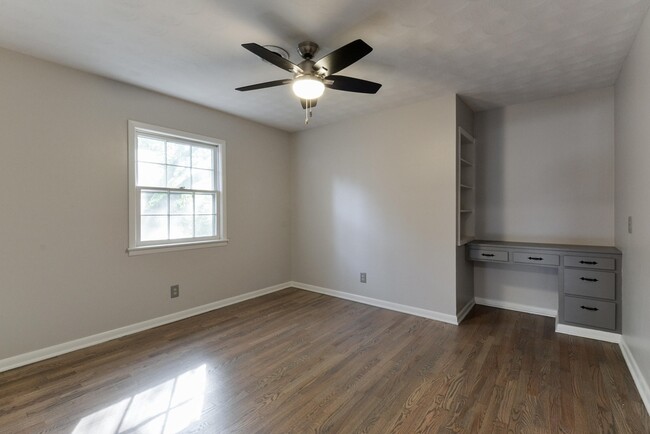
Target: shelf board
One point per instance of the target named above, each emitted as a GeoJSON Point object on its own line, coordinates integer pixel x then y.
{"type": "Point", "coordinates": [469, 187]}
{"type": "Point", "coordinates": [466, 210]}
{"type": "Point", "coordinates": [465, 162]}
{"type": "Point", "coordinates": [465, 137]}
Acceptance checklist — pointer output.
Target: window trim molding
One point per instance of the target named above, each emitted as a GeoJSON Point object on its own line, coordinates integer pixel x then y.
{"type": "Point", "coordinates": [220, 168]}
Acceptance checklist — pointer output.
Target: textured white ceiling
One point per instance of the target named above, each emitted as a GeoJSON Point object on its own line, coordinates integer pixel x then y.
{"type": "Point", "coordinates": [494, 52]}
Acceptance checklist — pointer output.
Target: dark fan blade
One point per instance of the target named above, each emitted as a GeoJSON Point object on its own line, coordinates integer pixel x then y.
{"type": "Point", "coordinates": [350, 84]}
{"type": "Point", "coordinates": [264, 85]}
{"type": "Point", "coordinates": [273, 58]}
{"type": "Point", "coordinates": [303, 103]}
{"type": "Point", "coordinates": [343, 57]}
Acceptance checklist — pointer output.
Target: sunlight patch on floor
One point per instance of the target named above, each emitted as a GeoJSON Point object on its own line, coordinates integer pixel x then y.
{"type": "Point", "coordinates": [166, 408]}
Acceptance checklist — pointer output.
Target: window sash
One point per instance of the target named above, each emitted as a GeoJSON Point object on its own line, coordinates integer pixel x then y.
{"type": "Point", "coordinates": [171, 241]}
{"type": "Point", "coordinates": [214, 148]}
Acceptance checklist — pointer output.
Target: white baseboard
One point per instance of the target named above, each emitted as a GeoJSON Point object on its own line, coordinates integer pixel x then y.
{"type": "Point", "coordinates": [516, 307]}
{"type": "Point", "coordinates": [637, 375]}
{"type": "Point", "coordinates": [460, 316]}
{"type": "Point", "coordinates": [431, 314]}
{"type": "Point", "coordinates": [599, 335]}
{"type": "Point", "coordinates": [77, 344]}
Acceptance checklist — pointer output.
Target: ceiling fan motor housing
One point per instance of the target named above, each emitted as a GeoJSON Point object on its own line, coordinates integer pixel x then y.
{"type": "Point", "coordinates": [307, 49]}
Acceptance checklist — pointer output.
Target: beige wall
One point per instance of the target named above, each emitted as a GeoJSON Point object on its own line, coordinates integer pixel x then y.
{"type": "Point", "coordinates": [545, 174]}
{"type": "Point", "coordinates": [546, 171]}
{"type": "Point", "coordinates": [63, 219]}
{"type": "Point", "coordinates": [632, 184]}
{"type": "Point", "coordinates": [377, 194]}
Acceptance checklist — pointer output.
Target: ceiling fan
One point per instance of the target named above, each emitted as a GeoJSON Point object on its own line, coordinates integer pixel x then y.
{"type": "Point", "coordinates": [311, 78]}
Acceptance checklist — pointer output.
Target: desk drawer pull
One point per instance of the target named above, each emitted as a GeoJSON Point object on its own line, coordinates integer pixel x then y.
{"type": "Point", "coordinates": [489, 255]}
{"type": "Point", "coordinates": [589, 262]}
{"type": "Point", "coordinates": [533, 258]}
{"type": "Point", "coordinates": [593, 309]}
{"type": "Point", "coordinates": [586, 279]}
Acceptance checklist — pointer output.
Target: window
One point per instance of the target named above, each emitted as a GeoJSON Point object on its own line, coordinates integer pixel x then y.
{"type": "Point", "coordinates": [176, 189]}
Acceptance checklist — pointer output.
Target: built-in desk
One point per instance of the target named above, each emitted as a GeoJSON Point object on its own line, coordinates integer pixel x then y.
{"type": "Point", "coordinates": [589, 277]}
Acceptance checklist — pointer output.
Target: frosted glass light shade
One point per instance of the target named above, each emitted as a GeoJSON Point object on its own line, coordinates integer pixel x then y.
{"type": "Point", "coordinates": [308, 87]}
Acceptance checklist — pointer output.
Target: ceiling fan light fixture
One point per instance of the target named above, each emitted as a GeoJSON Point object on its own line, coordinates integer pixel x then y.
{"type": "Point", "coordinates": [308, 87]}
{"type": "Point", "coordinates": [311, 78]}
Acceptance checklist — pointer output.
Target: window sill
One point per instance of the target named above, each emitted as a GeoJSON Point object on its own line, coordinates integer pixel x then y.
{"type": "Point", "coordinates": [145, 250]}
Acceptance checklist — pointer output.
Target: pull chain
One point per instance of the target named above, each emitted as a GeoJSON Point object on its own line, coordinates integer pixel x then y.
{"type": "Point", "coordinates": [307, 101]}
{"type": "Point", "coordinates": [308, 112]}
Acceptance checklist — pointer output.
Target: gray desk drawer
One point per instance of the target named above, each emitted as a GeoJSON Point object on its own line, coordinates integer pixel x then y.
{"type": "Point", "coordinates": [601, 284]}
{"type": "Point", "coordinates": [536, 258]}
{"type": "Point", "coordinates": [488, 255]}
{"type": "Point", "coordinates": [592, 313]}
{"type": "Point", "coordinates": [590, 262]}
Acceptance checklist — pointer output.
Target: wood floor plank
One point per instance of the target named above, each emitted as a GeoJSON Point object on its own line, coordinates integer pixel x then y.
{"type": "Point", "coordinates": [295, 361]}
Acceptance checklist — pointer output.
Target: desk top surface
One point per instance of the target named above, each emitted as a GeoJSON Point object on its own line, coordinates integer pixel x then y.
{"type": "Point", "coordinates": [609, 250]}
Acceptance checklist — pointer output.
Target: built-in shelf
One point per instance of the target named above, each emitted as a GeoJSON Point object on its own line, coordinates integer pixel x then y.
{"type": "Point", "coordinates": [465, 182]}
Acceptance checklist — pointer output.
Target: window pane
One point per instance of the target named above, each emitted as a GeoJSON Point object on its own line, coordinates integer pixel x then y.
{"type": "Point", "coordinates": [202, 157]}
{"type": "Point", "coordinates": [151, 150]}
{"type": "Point", "coordinates": [202, 179]}
{"type": "Point", "coordinates": [178, 177]}
{"type": "Point", "coordinates": [181, 203]}
{"type": "Point", "coordinates": [153, 203]}
{"type": "Point", "coordinates": [204, 203]}
{"type": "Point", "coordinates": [151, 175]}
{"type": "Point", "coordinates": [178, 154]}
{"type": "Point", "coordinates": [153, 228]}
{"type": "Point", "coordinates": [204, 225]}
{"type": "Point", "coordinates": [181, 227]}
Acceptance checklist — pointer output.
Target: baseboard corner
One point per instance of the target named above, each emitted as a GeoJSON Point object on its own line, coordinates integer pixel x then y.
{"type": "Point", "coordinates": [637, 375]}
{"type": "Point", "coordinates": [460, 316]}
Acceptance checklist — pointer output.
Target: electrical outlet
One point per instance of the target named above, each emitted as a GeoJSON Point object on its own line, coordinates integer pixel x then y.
{"type": "Point", "coordinates": [175, 291]}
{"type": "Point", "coordinates": [629, 225]}
{"type": "Point", "coordinates": [363, 278]}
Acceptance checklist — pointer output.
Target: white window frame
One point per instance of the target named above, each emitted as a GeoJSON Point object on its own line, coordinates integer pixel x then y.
{"type": "Point", "coordinates": [138, 248]}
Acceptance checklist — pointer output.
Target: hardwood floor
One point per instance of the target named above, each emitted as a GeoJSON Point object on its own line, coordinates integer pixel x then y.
{"type": "Point", "coordinates": [294, 361]}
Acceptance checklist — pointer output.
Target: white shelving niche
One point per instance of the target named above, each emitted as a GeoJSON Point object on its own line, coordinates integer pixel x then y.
{"type": "Point", "coordinates": [465, 187]}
